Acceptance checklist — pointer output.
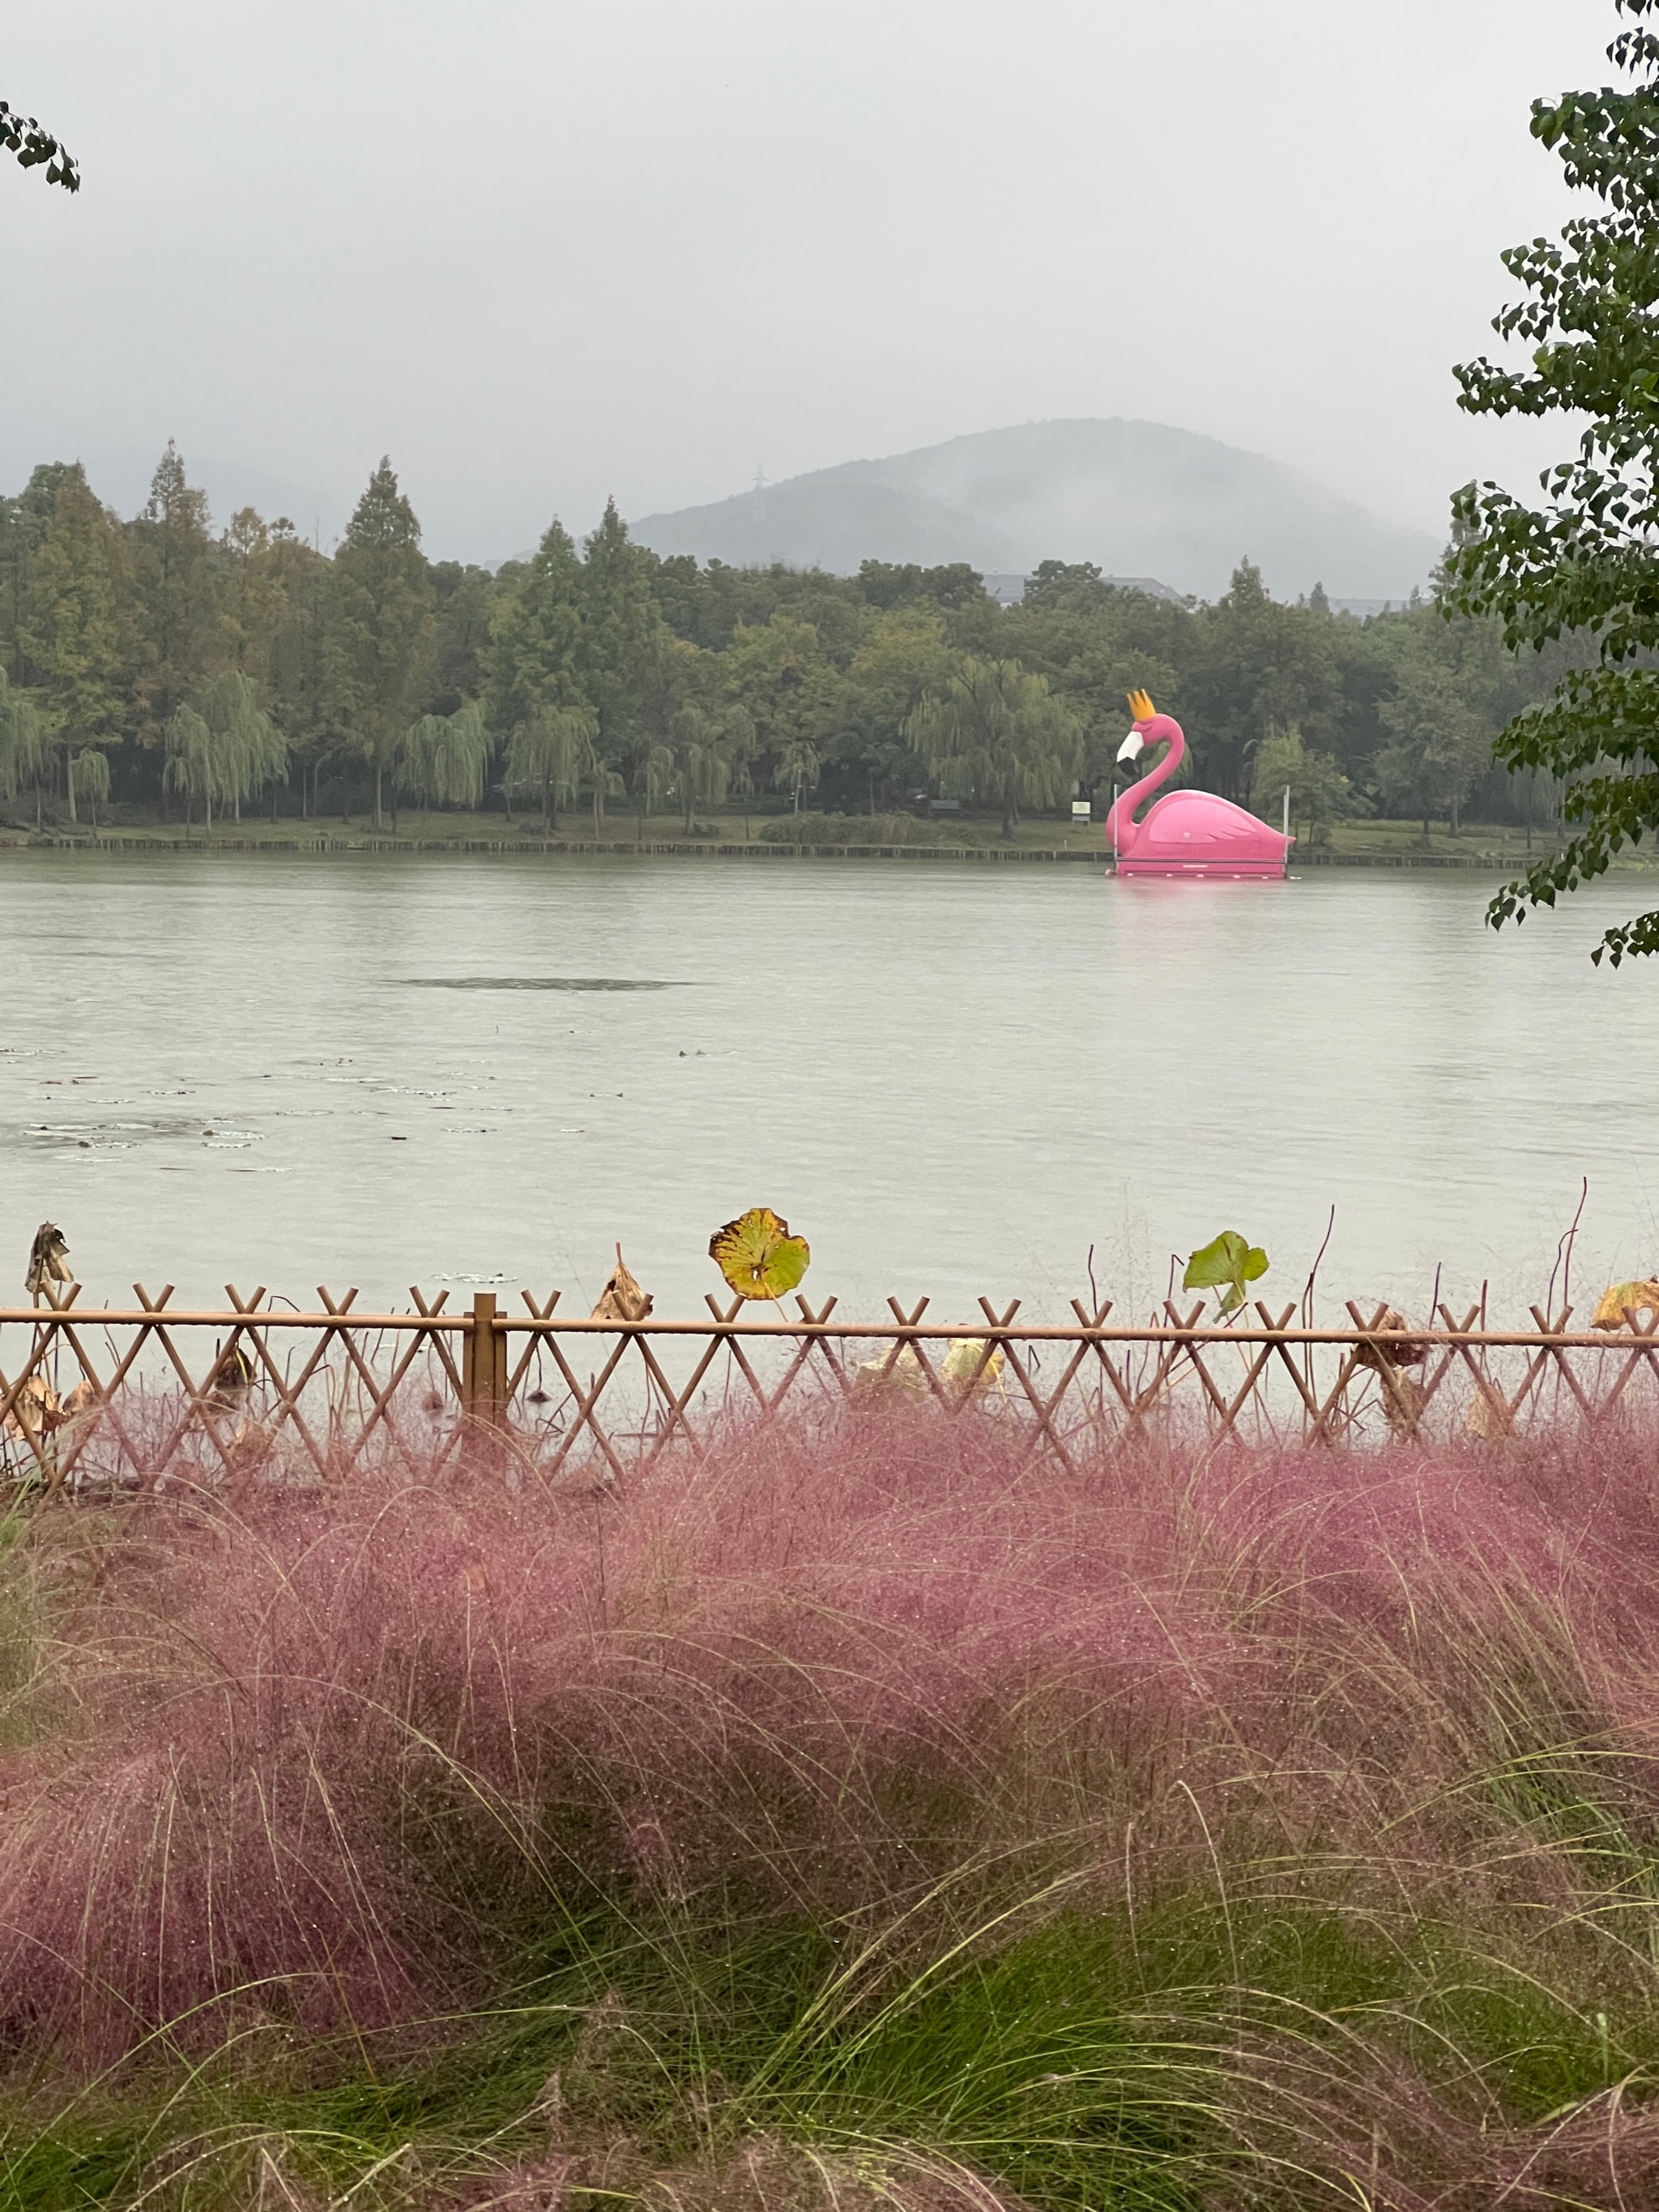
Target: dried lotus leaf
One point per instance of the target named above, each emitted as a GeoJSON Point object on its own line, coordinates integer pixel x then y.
{"type": "Point", "coordinates": [757, 1255]}
{"type": "Point", "coordinates": [622, 1299]}
{"type": "Point", "coordinates": [1620, 1305]}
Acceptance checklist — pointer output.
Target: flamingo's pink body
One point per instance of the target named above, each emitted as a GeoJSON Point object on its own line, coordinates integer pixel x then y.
{"type": "Point", "coordinates": [1188, 833]}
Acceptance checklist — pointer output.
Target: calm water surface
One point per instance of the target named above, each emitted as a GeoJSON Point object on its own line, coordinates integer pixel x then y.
{"type": "Point", "coordinates": [951, 1080]}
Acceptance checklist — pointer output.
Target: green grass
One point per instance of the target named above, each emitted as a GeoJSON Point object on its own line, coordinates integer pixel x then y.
{"type": "Point", "coordinates": [1094, 2059]}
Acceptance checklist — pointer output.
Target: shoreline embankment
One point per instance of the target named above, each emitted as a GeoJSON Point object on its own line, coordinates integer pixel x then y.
{"type": "Point", "coordinates": [562, 847]}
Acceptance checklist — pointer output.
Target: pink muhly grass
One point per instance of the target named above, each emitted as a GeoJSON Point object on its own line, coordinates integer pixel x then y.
{"type": "Point", "coordinates": [320, 1758]}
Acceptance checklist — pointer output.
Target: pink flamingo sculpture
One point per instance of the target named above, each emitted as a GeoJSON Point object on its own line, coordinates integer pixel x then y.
{"type": "Point", "coordinates": [1187, 833]}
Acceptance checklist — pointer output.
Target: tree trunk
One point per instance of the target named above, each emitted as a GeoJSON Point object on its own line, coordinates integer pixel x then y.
{"type": "Point", "coordinates": [236, 805]}
{"type": "Point", "coordinates": [68, 778]}
{"type": "Point", "coordinates": [378, 823]}
{"type": "Point", "coordinates": [207, 810]}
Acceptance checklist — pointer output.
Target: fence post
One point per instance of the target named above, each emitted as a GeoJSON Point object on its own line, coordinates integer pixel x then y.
{"type": "Point", "coordinates": [483, 1363]}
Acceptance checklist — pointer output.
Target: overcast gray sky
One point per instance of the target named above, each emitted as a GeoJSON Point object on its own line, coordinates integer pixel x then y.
{"type": "Point", "coordinates": [541, 251]}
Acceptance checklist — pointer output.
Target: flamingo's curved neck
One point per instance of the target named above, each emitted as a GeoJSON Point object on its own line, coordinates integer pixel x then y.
{"type": "Point", "coordinates": [1121, 827]}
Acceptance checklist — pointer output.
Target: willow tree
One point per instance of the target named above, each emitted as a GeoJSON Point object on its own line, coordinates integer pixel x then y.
{"type": "Point", "coordinates": [222, 746]}
{"type": "Point", "coordinates": [1285, 762]}
{"type": "Point", "coordinates": [709, 752]}
{"type": "Point", "coordinates": [549, 753]}
{"type": "Point", "coordinates": [445, 759]}
{"type": "Point", "coordinates": [191, 764]}
{"type": "Point", "coordinates": [25, 747]}
{"type": "Point", "coordinates": [251, 752]}
{"type": "Point", "coordinates": [1583, 565]}
{"type": "Point", "coordinates": [996, 734]}
{"type": "Point", "coordinates": [796, 767]}
{"type": "Point", "coordinates": [88, 780]}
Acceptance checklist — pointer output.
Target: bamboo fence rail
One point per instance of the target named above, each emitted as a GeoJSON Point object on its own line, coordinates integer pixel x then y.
{"type": "Point", "coordinates": [145, 1395]}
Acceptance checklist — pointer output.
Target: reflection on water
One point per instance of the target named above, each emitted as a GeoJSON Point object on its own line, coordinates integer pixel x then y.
{"type": "Point", "coordinates": [951, 1081]}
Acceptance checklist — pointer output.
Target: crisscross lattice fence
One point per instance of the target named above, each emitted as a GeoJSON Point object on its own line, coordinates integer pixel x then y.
{"type": "Point", "coordinates": [150, 1393]}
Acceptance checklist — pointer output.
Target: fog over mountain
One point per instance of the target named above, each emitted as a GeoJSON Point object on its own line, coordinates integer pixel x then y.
{"type": "Point", "coordinates": [1138, 498]}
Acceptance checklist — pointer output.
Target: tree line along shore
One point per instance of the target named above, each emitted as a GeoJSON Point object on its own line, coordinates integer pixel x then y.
{"type": "Point", "coordinates": [157, 674]}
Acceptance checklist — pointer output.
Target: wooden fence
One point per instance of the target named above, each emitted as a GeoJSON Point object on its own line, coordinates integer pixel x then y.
{"type": "Point", "coordinates": [151, 1395]}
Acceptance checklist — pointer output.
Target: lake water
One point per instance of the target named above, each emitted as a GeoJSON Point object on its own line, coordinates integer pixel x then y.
{"type": "Point", "coordinates": [951, 1079]}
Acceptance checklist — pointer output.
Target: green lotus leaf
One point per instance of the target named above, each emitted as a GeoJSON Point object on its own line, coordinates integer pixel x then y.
{"type": "Point", "coordinates": [757, 1255]}
{"type": "Point", "coordinates": [1229, 1263]}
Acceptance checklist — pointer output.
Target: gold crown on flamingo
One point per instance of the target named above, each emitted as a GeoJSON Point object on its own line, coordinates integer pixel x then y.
{"type": "Point", "coordinates": [1141, 707]}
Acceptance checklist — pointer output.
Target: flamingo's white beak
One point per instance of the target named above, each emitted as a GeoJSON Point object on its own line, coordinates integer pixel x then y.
{"type": "Point", "coordinates": [1131, 745]}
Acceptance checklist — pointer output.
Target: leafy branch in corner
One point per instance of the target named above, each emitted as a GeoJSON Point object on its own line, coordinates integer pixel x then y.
{"type": "Point", "coordinates": [1583, 566]}
{"type": "Point", "coordinates": [23, 136]}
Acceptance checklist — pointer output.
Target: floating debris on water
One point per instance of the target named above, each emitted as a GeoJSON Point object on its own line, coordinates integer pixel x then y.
{"type": "Point", "coordinates": [545, 983]}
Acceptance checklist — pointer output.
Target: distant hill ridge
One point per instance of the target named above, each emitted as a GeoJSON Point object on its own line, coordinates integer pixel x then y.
{"type": "Point", "coordinates": [1141, 499]}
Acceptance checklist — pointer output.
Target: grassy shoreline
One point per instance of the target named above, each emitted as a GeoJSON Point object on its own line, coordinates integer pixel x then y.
{"type": "Point", "coordinates": [1352, 845]}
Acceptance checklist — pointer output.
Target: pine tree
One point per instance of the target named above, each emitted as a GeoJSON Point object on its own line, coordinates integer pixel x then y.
{"type": "Point", "coordinates": [286, 612]}
{"type": "Point", "coordinates": [380, 644]}
{"type": "Point", "coordinates": [23, 523]}
{"type": "Point", "coordinates": [75, 634]}
{"type": "Point", "coordinates": [174, 569]}
{"type": "Point", "coordinates": [467, 597]}
{"type": "Point", "coordinates": [621, 628]}
{"type": "Point", "coordinates": [532, 661]}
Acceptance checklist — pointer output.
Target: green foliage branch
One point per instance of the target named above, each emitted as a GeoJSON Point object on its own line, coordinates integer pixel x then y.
{"type": "Point", "coordinates": [36, 147]}
{"type": "Point", "coordinates": [1585, 564]}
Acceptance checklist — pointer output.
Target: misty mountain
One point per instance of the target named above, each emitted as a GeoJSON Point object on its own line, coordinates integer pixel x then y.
{"type": "Point", "coordinates": [1138, 498]}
